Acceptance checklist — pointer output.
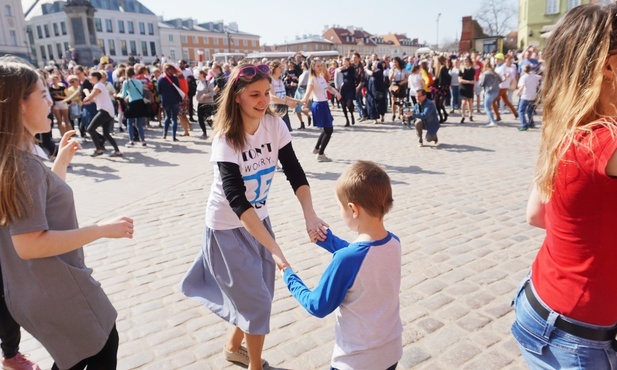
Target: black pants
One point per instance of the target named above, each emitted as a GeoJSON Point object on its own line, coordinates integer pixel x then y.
{"type": "Point", "coordinates": [106, 359]}
{"type": "Point", "coordinates": [102, 118]}
{"type": "Point", "coordinates": [191, 107]}
{"type": "Point", "coordinates": [324, 139]}
{"type": "Point", "coordinates": [204, 114]}
{"type": "Point", "coordinates": [10, 333]}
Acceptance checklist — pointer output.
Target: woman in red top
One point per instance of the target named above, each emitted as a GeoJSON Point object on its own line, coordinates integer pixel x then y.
{"type": "Point", "coordinates": [566, 311]}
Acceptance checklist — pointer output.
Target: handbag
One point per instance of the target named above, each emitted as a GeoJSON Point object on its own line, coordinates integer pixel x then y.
{"type": "Point", "coordinates": [74, 111]}
{"type": "Point", "coordinates": [394, 88]}
{"type": "Point", "coordinates": [135, 109]}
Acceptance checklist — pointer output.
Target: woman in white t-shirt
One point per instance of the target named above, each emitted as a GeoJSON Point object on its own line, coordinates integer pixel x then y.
{"type": "Point", "coordinates": [317, 89]}
{"type": "Point", "coordinates": [278, 95]}
{"type": "Point", "coordinates": [233, 275]}
{"type": "Point", "coordinates": [415, 82]}
{"type": "Point", "coordinates": [104, 116]}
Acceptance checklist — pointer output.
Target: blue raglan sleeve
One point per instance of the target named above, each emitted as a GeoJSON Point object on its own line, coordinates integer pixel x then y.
{"type": "Point", "coordinates": [332, 243]}
{"type": "Point", "coordinates": [333, 285]}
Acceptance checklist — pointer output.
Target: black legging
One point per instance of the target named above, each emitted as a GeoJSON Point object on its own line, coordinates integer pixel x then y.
{"type": "Point", "coordinates": [10, 332]}
{"type": "Point", "coordinates": [324, 139]}
{"type": "Point", "coordinates": [102, 118]}
{"type": "Point", "coordinates": [348, 105]}
{"type": "Point", "coordinates": [106, 359]}
{"type": "Point", "coordinates": [204, 114]}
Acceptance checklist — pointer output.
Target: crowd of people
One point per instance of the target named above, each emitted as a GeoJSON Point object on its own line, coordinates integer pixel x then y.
{"type": "Point", "coordinates": [49, 290]}
{"type": "Point", "coordinates": [135, 95]}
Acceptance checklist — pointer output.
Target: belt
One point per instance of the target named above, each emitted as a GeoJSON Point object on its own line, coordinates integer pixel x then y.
{"type": "Point", "coordinates": [568, 327]}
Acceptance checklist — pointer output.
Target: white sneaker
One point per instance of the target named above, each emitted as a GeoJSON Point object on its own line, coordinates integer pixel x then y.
{"type": "Point", "coordinates": [130, 144]}
{"type": "Point", "coordinates": [323, 158]}
{"type": "Point", "coordinates": [492, 124]}
{"type": "Point", "coordinates": [315, 151]}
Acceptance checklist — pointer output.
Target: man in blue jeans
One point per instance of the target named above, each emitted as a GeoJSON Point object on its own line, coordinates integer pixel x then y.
{"type": "Point", "coordinates": [527, 91]}
{"type": "Point", "coordinates": [426, 114]}
{"type": "Point", "coordinates": [168, 86]}
{"type": "Point", "coordinates": [360, 77]}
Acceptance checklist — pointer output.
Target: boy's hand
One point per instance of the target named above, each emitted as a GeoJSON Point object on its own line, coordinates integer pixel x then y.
{"type": "Point", "coordinates": [316, 229]}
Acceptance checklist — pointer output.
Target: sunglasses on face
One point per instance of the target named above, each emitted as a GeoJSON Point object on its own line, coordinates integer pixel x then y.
{"type": "Point", "coordinates": [251, 71]}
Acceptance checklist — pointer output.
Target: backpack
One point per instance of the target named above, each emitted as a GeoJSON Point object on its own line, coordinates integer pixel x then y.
{"type": "Point", "coordinates": [192, 85]}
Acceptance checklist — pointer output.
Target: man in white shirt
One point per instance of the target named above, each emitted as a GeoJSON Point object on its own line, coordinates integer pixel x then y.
{"type": "Point", "coordinates": [528, 92]}
{"type": "Point", "coordinates": [507, 72]}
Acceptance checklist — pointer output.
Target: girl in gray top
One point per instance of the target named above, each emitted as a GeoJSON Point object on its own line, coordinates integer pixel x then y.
{"type": "Point", "coordinates": [489, 81]}
{"type": "Point", "coordinates": [48, 288]}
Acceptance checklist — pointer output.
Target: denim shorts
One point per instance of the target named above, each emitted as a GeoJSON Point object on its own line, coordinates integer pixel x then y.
{"type": "Point", "coordinates": [546, 347]}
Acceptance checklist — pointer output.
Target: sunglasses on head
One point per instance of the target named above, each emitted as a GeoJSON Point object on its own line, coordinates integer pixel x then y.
{"type": "Point", "coordinates": [250, 71]}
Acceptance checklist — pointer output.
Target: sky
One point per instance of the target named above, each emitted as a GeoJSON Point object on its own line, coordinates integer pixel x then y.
{"type": "Point", "coordinates": [280, 21]}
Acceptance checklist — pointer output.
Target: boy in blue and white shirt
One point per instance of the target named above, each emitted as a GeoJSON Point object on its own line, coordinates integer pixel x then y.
{"type": "Point", "coordinates": [362, 282]}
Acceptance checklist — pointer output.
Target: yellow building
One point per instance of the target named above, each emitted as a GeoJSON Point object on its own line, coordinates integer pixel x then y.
{"type": "Point", "coordinates": [537, 16]}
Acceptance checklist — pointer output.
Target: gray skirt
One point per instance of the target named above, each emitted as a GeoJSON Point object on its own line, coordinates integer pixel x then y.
{"type": "Point", "coordinates": [233, 276]}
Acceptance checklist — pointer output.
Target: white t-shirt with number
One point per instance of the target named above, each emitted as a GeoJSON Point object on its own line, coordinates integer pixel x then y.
{"type": "Point", "coordinates": [257, 166]}
{"type": "Point", "coordinates": [279, 89]}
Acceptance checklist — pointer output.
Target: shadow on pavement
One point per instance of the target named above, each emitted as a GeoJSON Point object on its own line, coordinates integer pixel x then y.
{"type": "Point", "coordinates": [98, 173]}
{"type": "Point", "coordinates": [462, 148]}
{"type": "Point", "coordinates": [143, 158]}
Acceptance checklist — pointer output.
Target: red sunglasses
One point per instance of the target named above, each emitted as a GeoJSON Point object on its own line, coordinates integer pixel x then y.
{"type": "Point", "coordinates": [250, 71]}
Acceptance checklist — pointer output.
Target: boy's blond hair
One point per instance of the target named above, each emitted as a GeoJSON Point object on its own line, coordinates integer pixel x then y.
{"type": "Point", "coordinates": [366, 185]}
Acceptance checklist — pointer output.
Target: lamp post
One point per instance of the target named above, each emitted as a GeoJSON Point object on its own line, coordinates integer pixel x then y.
{"type": "Point", "coordinates": [228, 41]}
{"type": "Point", "coordinates": [437, 44]}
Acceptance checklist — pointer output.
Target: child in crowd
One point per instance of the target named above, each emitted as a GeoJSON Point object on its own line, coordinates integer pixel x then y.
{"type": "Point", "coordinates": [362, 282]}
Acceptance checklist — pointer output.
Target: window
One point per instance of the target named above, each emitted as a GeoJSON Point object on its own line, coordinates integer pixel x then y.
{"type": "Point", "coordinates": [46, 28]}
{"type": "Point", "coordinates": [121, 26]}
{"type": "Point", "coordinates": [101, 44]}
{"type": "Point", "coordinates": [142, 28]}
{"type": "Point", "coordinates": [39, 32]}
{"type": "Point", "coordinates": [224, 41]}
{"type": "Point", "coordinates": [131, 27]}
{"type": "Point", "coordinates": [43, 54]}
{"type": "Point", "coordinates": [56, 30]}
{"type": "Point", "coordinates": [150, 29]}
{"type": "Point", "coordinates": [59, 50]}
{"type": "Point", "coordinates": [173, 54]}
{"type": "Point", "coordinates": [63, 27]}
{"type": "Point", "coordinates": [144, 48]}
{"type": "Point", "coordinates": [185, 55]}
{"type": "Point", "coordinates": [152, 48]}
{"type": "Point", "coordinates": [111, 45]}
{"type": "Point", "coordinates": [215, 41]}
{"type": "Point", "coordinates": [183, 38]}
{"type": "Point", "coordinates": [12, 38]}
{"type": "Point", "coordinates": [253, 43]}
{"type": "Point", "coordinates": [50, 51]}
{"type": "Point", "coordinates": [552, 6]}
{"type": "Point", "coordinates": [245, 42]}
{"type": "Point", "coordinates": [133, 47]}
{"type": "Point", "coordinates": [98, 25]}
{"type": "Point", "coordinates": [8, 10]}
{"type": "Point", "coordinates": [109, 26]}
{"type": "Point", "coordinates": [205, 40]}
{"type": "Point", "coordinates": [66, 46]}
{"type": "Point", "coordinates": [123, 48]}
{"type": "Point", "coordinates": [171, 37]}
{"type": "Point", "coordinates": [195, 39]}
{"type": "Point", "coordinates": [573, 3]}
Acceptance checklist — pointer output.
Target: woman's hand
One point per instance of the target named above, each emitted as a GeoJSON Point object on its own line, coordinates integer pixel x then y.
{"type": "Point", "coordinates": [120, 227]}
{"type": "Point", "coordinates": [316, 228]}
{"type": "Point", "coordinates": [67, 149]}
{"type": "Point", "coordinates": [280, 261]}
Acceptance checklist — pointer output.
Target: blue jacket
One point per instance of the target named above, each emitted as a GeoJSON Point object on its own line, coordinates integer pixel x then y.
{"type": "Point", "coordinates": [169, 95]}
{"type": "Point", "coordinates": [428, 114]}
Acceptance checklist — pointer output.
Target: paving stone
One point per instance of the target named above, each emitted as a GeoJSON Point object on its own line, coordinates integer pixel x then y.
{"type": "Point", "coordinates": [459, 354]}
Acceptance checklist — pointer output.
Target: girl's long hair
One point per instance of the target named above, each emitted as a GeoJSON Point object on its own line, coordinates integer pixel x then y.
{"type": "Point", "coordinates": [575, 56]}
{"type": "Point", "coordinates": [17, 81]}
{"type": "Point", "coordinates": [228, 121]}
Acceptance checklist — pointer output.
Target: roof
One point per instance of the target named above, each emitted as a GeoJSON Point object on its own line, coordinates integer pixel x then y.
{"type": "Point", "coordinates": [355, 36]}
{"type": "Point", "coordinates": [41, 7]}
{"type": "Point", "coordinates": [192, 25]}
{"type": "Point", "coordinates": [313, 39]}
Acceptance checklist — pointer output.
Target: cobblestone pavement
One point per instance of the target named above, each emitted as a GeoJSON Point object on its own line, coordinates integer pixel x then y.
{"type": "Point", "coordinates": [459, 210]}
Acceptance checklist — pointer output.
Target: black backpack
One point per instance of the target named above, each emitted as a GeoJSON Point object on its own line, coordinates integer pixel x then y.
{"type": "Point", "coordinates": [192, 85]}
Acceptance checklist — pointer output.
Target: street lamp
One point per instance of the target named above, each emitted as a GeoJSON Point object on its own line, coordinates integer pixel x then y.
{"type": "Point", "coordinates": [437, 44]}
{"type": "Point", "coordinates": [228, 41]}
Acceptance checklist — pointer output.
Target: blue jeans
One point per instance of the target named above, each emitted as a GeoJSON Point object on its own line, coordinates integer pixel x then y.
{"type": "Point", "coordinates": [171, 115]}
{"type": "Point", "coordinates": [489, 98]}
{"type": "Point", "coordinates": [360, 105]}
{"type": "Point", "coordinates": [546, 347]}
{"type": "Point", "coordinates": [456, 97]}
{"type": "Point", "coordinates": [140, 127]}
{"type": "Point", "coordinates": [88, 111]}
{"type": "Point", "coordinates": [525, 112]}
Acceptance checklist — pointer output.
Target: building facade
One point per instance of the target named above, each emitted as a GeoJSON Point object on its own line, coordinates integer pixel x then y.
{"type": "Point", "coordinates": [350, 39]}
{"type": "Point", "coordinates": [536, 17]}
{"type": "Point", "coordinates": [188, 40]}
{"type": "Point", "coordinates": [122, 27]}
{"type": "Point", "coordinates": [305, 43]}
{"type": "Point", "coordinates": [13, 38]}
